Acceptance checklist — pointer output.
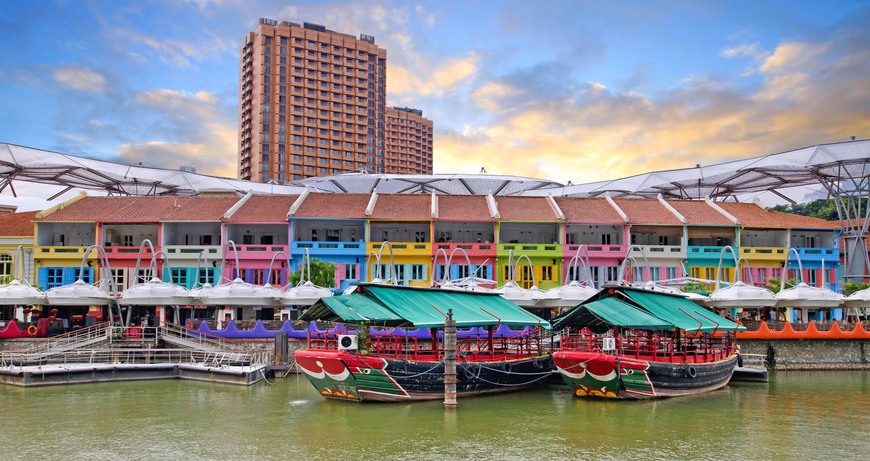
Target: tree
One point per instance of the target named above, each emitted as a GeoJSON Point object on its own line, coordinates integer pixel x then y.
{"type": "Point", "coordinates": [851, 287]}
{"type": "Point", "coordinates": [322, 273]}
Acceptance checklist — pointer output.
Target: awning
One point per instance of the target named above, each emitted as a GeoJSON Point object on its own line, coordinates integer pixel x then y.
{"type": "Point", "coordinates": [352, 308]}
{"type": "Point", "coordinates": [681, 312]}
{"type": "Point", "coordinates": [612, 311]}
{"type": "Point", "coordinates": [421, 307]}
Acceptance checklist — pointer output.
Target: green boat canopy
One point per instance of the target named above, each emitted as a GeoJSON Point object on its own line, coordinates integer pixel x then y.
{"type": "Point", "coordinates": [389, 305]}
{"type": "Point", "coordinates": [684, 314]}
{"type": "Point", "coordinates": [599, 315]}
{"type": "Point", "coordinates": [644, 310]}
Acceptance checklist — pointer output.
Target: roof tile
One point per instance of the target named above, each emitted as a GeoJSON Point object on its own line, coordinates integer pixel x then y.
{"type": "Point", "coordinates": [17, 224]}
{"type": "Point", "coordinates": [264, 209]}
{"type": "Point", "coordinates": [402, 206]}
{"type": "Point", "coordinates": [647, 211]}
{"type": "Point", "coordinates": [465, 208]}
{"type": "Point", "coordinates": [335, 206]}
{"type": "Point", "coordinates": [143, 209]}
{"type": "Point", "coordinates": [751, 215]}
{"type": "Point", "coordinates": [588, 210]}
{"type": "Point", "coordinates": [525, 209]}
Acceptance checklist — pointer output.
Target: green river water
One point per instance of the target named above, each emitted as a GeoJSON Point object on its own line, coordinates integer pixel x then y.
{"type": "Point", "coordinates": [798, 415]}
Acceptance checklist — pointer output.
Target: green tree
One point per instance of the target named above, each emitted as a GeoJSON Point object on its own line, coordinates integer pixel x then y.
{"type": "Point", "coordinates": [773, 283]}
{"type": "Point", "coordinates": [851, 287]}
{"type": "Point", "coordinates": [322, 273]}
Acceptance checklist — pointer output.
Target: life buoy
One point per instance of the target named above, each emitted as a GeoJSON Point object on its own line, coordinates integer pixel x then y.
{"type": "Point", "coordinates": [31, 331]}
{"type": "Point", "coordinates": [691, 372]}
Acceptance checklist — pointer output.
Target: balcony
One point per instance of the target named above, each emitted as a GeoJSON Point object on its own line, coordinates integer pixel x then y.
{"type": "Point", "coordinates": [473, 249]}
{"type": "Point", "coordinates": [596, 251]}
{"type": "Point", "coordinates": [191, 252]}
{"type": "Point", "coordinates": [531, 249]}
{"type": "Point", "coordinates": [327, 248]}
{"type": "Point", "coordinates": [62, 252]}
{"type": "Point", "coordinates": [126, 252]}
{"type": "Point", "coordinates": [661, 251]}
{"type": "Point", "coordinates": [763, 253]}
{"type": "Point", "coordinates": [403, 248]}
{"type": "Point", "coordinates": [829, 255]}
{"type": "Point", "coordinates": [260, 252]}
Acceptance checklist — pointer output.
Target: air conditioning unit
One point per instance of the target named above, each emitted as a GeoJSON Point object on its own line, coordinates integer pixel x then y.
{"type": "Point", "coordinates": [347, 342]}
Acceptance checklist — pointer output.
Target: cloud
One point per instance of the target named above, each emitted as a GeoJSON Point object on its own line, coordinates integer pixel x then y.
{"type": "Point", "coordinates": [80, 78]}
{"type": "Point", "coordinates": [427, 79]}
{"type": "Point", "coordinates": [185, 129]}
{"type": "Point", "coordinates": [173, 51]}
{"type": "Point", "coordinates": [808, 94]}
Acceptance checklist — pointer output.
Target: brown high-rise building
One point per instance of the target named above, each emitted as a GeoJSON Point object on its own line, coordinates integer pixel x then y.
{"type": "Point", "coordinates": [312, 102]}
{"type": "Point", "coordinates": [409, 142]}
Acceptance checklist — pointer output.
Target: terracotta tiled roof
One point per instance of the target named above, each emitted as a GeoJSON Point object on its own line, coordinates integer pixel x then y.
{"type": "Point", "coordinates": [751, 215]}
{"type": "Point", "coordinates": [17, 224]}
{"type": "Point", "coordinates": [698, 212]}
{"type": "Point", "coordinates": [588, 210]}
{"type": "Point", "coordinates": [647, 211]}
{"type": "Point", "coordinates": [466, 208]}
{"type": "Point", "coordinates": [264, 209]}
{"type": "Point", "coordinates": [403, 206]}
{"type": "Point", "coordinates": [143, 209]}
{"type": "Point", "coordinates": [335, 206]}
{"type": "Point", "coordinates": [525, 209]}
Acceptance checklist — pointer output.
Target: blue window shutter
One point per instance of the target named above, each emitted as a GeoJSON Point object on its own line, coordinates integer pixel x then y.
{"type": "Point", "coordinates": [69, 275]}
{"type": "Point", "coordinates": [249, 275]}
{"type": "Point", "coordinates": [42, 278]}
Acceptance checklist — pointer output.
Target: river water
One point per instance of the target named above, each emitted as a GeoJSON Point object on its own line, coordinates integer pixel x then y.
{"type": "Point", "coordinates": [798, 415]}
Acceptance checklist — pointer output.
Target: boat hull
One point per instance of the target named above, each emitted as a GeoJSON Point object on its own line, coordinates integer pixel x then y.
{"type": "Point", "coordinates": [594, 374]}
{"type": "Point", "coordinates": [347, 375]}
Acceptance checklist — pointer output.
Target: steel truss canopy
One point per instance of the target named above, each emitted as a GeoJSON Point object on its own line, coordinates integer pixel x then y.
{"type": "Point", "coordinates": [841, 167]}
{"type": "Point", "coordinates": [37, 173]}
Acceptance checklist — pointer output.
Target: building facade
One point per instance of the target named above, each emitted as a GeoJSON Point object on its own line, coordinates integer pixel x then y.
{"type": "Point", "coordinates": [312, 102]}
{"type": "Point", "coordinates": [408, 141]}
{"type": "Point", "coordinates": [422, 239]}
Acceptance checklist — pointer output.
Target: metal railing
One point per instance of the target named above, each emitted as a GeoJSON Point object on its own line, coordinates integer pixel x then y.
{"type": "Point", "coordinates": [134, 357]}
{"type": "Point", "coordinates": [132, 345]}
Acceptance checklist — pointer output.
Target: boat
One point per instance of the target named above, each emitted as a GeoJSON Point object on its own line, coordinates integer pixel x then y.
{"type": "Point", "coordinates": [631, 343]}
{"type": "Point", "coordinates": [393, 347]}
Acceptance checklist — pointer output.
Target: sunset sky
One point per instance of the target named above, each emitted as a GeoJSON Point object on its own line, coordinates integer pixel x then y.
{"type": "Point", "coordinates": [575, 91]}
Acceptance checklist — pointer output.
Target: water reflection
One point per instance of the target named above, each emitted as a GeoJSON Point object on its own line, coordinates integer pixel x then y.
{"type": "Point", "coordinates": [819, 415]}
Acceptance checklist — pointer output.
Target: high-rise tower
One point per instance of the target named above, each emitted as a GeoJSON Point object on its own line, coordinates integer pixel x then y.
{"type": "Point", "coordinates": [312, 102]}
{"type": "Point", "coordinates": [408, 142]}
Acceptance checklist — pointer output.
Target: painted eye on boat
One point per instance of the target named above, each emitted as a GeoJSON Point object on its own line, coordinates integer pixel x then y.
{"type": "Point", "coordinates": [366, 371]}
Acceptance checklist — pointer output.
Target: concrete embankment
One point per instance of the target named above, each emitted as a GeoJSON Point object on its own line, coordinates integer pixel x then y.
{"type": "Point", "coordinates": [811, 354]}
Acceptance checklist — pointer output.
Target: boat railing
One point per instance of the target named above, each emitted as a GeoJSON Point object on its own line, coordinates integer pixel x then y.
{"type": "Point", "coordinates": [526, 343]}
{"type": "Point", "coordinates": [648, 346]}
{"type": "Point", "coordinates": [134, 356]}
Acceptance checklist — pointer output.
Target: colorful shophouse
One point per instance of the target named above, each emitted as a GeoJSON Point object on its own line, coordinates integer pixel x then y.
{"type": "Point", "coordinates": [656, 243]}
{"type": "Point", "coordinates": [464, 226]}
{"type": "Point", "coordinates": [710, 230]}
{"type": "Point", "coordinates": [257, 227]}
{"type": "Point", "coordinates": [529, 227]}
{"type": "Point", "coordinates": [405, 221]}
{"type": "Point", "coordinates": [331, 228]}
{"type": "Point", "coordinates": [593, 228]}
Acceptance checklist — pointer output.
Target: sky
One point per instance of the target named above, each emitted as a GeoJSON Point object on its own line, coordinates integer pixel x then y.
{"type": "Point", "coordinates": [571, 90]}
